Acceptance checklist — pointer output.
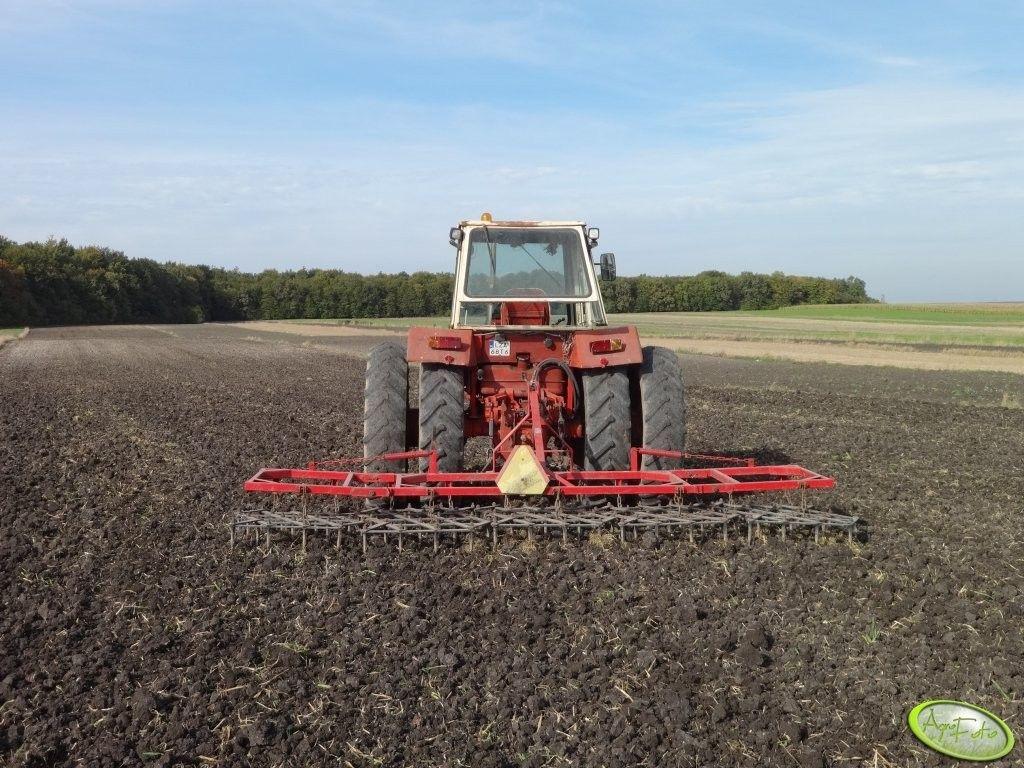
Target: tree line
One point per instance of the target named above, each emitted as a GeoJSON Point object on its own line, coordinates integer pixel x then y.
{"type": "Point", "coordinates": [55, 283]}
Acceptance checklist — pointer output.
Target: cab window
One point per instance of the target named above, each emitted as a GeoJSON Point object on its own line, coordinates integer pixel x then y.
{"type": "Point", "coordinates": [508, 262]}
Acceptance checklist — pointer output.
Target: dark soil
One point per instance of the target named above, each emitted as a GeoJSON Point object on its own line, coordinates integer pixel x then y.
{"type": "Point", "coordinates": [131, 633]}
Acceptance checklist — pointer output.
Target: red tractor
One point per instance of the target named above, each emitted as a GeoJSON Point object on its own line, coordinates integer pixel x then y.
{"type": "Point", "coordinates": [586, 427]}
{"type": "Point", "coordinates": [528, 359]}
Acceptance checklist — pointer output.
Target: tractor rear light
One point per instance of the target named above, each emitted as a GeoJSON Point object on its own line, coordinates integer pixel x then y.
{"type": "Point", "coordinates": [445, 342]}
{"type": "Point", "coordinates": [604, 346]}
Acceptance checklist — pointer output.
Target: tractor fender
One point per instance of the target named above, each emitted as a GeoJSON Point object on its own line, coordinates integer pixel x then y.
{"type": "Point", "coordinates": [582, 357]}
{"type": "Point", "coordinates": [435, 345]}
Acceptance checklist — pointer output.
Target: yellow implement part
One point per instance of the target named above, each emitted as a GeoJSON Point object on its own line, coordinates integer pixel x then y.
{"type": "Point", "coordinates": [522, 474]}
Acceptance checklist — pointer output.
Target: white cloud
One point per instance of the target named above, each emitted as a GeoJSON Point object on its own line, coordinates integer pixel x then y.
{"type": "Point", "coordinates": [898, 61]}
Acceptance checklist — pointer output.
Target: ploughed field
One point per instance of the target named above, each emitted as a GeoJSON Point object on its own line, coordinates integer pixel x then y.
{"type": "Point", "coordinates": [133, 634]}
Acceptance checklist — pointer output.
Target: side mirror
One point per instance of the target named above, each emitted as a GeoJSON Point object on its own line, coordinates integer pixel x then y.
{"type": "Point", "coordinates": [607, 266]}
{"type": "Point", "coordinates": [455, 236]}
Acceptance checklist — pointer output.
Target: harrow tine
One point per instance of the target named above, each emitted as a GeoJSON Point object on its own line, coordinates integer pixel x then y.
{"type": "Point", "coordinates": [468, 521]}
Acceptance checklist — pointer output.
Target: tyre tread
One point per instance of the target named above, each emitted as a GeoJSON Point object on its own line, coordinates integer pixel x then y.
{"type": "Point", "coordinates": [442, 415]}
{"type": "Point", "coordinates": [606, 418]}
{"type": "Point", "coordinates": [663, 406]}
{"type": "Point", "coordinates": [385, 401]}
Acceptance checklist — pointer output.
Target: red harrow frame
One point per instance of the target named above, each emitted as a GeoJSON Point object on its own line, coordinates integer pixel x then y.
{"type": "Point", "coordinates": [746, 477]}
{"type": "Point", "coordinates": [435, 503]}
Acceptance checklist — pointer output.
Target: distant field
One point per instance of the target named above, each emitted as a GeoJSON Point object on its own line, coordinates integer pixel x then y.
{"type": "Point", "coordinates": [981, 337]}
{"type": "Point", "coordinates": [990, 313]}
{"type": "Point", "coordinates": [6, 334]}
{"type": "Point", "coordinates": [842, 324]}
{"type": "Point", "coordinates": [941, 325]}
{"type": "Point", "coordinates": [378, 322]}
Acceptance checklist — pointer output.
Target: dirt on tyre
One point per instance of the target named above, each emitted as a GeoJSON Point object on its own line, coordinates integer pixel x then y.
{"type": "Point", "coordinates": [606, 419]}
{"type": "Point", "coordinates": [385, 401]}
{"type": "Point", "coordinates": [442, 415]}
{"type": "Point", "coordinates": [662, 406]}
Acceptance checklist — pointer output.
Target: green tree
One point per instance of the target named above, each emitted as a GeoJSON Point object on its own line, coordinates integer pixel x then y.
{"type": "Point", "coordinates": [52, 282]}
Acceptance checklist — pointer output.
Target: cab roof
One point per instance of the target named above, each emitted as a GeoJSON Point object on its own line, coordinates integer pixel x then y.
{"type": "Point", "coordinates": [481, 222]}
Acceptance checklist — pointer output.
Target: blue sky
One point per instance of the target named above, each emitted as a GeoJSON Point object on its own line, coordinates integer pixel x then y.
{"type": "Point", "coordinates": [884, 140]}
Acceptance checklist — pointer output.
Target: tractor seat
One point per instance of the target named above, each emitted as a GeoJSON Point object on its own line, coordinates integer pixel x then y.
{"type": "Point", "coordinates": [525, 312]}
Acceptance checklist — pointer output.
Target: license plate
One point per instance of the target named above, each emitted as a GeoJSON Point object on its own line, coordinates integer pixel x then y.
{"type": "Point", "coordinates": [499, 348]}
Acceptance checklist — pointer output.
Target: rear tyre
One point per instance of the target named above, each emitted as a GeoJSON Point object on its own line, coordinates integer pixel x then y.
{"type": "Point", "coordinates": [442, 415]}
{"type": "Point", "coordinates": [606, 420]}
{"type": "Point", "coordinates": [385, 401]}
{"type": "Point", "coordinates": [663, 410]}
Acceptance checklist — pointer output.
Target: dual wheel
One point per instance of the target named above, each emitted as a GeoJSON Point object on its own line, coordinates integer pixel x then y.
{"type": "Point", "coordinates": [386, 410]}
{"type": "Point", "coordinates": [643, 406]}
{"type": "Point", "coordinates": [621, 407]}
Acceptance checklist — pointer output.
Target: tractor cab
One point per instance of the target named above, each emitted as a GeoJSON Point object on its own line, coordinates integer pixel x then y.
{"type": "Point", "coordinates": [527, 274]}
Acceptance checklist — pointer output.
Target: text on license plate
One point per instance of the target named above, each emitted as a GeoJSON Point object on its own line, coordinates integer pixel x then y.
{"type": "Point", "coordinates": [499, 348]}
